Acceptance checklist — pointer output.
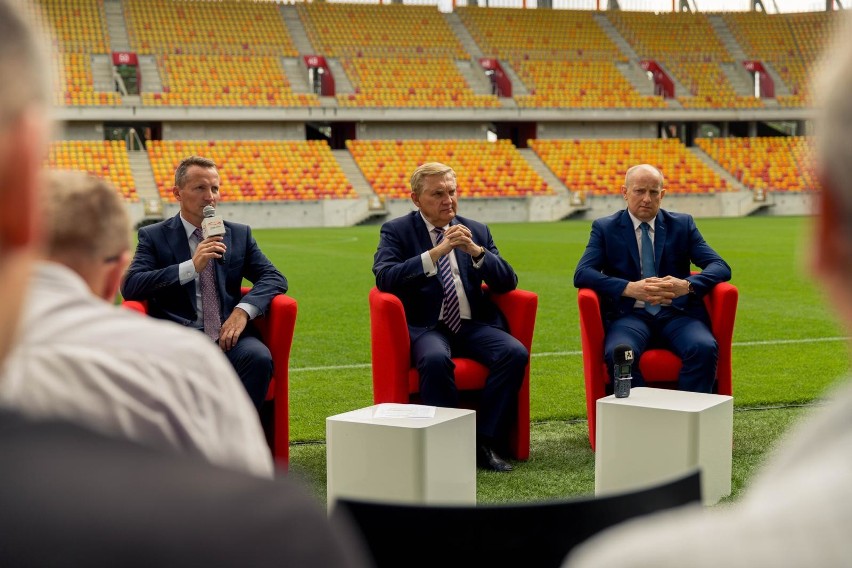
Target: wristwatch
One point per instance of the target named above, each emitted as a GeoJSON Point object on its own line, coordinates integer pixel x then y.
{"type": "Point", "coordinates": [481, 254]}
{"type": "Point", "coordinates": [691, 287]}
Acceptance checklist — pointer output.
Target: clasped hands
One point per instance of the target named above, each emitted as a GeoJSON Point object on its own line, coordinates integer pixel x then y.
{"type": "Point", "coordinates": [455, 237]}
{"type": "Point", "coordinates": [656, 290]}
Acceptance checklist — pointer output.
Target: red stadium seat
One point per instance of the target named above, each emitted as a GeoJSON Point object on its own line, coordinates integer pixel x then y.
{"type": "Point", "coordinates": [276, 328]}
{"type": "Point", "coordinates": [395, 381]}
{"type": "Point", "coordinates": [660, 367]}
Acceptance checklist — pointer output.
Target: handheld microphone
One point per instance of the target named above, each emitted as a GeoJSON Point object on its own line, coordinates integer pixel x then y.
{"type": "Point", "coordinates": [212, 226]}
{"type": "Point", "coordinates": [622, 374]}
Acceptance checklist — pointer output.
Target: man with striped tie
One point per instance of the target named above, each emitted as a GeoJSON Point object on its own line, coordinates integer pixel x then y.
{"type": "Point", "coordinates": [436, 262]}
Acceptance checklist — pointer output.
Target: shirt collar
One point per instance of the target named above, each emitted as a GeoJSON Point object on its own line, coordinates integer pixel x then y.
{"type": "Point", "coordinates": [429, 226]}
{"type": "Point", "coordinates": [637, 221]}
{"type": "Point", "coordinates": [187, 226]}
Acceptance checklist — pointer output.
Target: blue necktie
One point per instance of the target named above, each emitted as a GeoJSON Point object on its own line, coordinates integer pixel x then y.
{"type": "Point", "coordinates": [648, 269]}
{"type": "Point", "coordinates": [452, 316]}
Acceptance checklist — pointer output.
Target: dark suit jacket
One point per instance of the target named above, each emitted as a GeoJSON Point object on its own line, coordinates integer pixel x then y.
{"type": "Point", "coordinates": [399, 270]}
{"type": "Point", "coordinates": [71, 497]}
{"type": "Point", "coordinates": [611, 261]}
{"type": "Point", "coordinates": [153, 274]}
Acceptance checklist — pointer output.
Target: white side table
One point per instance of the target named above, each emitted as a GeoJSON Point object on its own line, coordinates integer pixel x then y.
{"type": "Point", "coordinates": [657, 434]}
{"type": "Point", "coordinates": [402, 459]}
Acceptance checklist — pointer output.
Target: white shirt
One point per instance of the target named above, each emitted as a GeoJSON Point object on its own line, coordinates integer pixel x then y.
{"type": "Point", "coordinates": [187, 272]}
{"type": "Point", "coordinates": [124, 374]}
{"type": "Point", "coordinates": [431, 269]}
{"type": "Point", "coordinates": [797, 512]}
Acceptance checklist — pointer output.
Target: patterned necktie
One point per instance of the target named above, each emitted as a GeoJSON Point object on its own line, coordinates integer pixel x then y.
{"type": "Point", "coordinates": [452, 316]}
{"type": "Point", "coordinates": [209, 297]}
{"type": "Point", "coordinates": [648, 269]}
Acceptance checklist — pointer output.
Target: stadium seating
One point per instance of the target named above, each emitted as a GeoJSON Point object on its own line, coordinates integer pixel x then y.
{"type": "Point", "coordinates": [225, 80]}
{"type": "Point", "coordinates": [106, 159]}
{"type": "Point", "coordinates": [597, 167]}
{"type": "Point", "coordinates": [222, 53]}
{"type": "Point", "coordinates": [791, 43]}
{"type": "Point", "coordinates": [365, 30]}
{"type": "Point", "coordinates": [563, 57]}
{"type": "Point", "coordinates": [687, 45]}
{"type": "Point", "coordinates": [578, 84]}
{"type": "Point", "coordinates": [199, 27]}
{"type": "Point", "coordinates": [781, 163]}
{"type": "Point", "coordinates": [483, 169]}
{"type": "Point", "coordinates": [259, 170]}
{"type": "Point", "coordinates": [79, 31]}
{"type": "Point", "coordinates": [395, 56]}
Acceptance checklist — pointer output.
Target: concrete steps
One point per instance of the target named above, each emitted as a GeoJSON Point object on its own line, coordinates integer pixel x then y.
{"type": "Point", "coordinates": [353, 173]}
{"type": "Point", "coordinates": [146, 187]}
{"type": "Point", "coordinates": [518, 87]}
{"type": "Point", "coordinates": [475, 76]}
{"type": "Point", "coordinates": [116, 26]}
{"type": "Point", "coordinates": [297, 30]}
{"type": "Point", "coordinates": [342, 84]}
{"type": "Point", "coordinates": [296, 73]}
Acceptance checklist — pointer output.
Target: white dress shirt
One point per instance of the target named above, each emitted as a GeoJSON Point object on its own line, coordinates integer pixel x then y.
{"type": "Point", "coordinates": [124, 374]}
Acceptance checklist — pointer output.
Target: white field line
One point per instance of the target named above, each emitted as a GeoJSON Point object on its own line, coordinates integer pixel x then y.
{"type": "Point", "coordinates": [575, 353]}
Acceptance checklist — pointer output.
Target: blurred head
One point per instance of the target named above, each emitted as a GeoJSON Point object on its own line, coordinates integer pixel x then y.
{"type": "Point", "coordinates": [433, 191]}
{"type": "Point", "coordinates": [87, 229]}
{"type": "Point", "coordinates": [643, 191]}
{"type": "Point", "coordinates": [832, 255]}
{"type": "Point", "coordinates": [24, 96]}
{"type": "Point", "coordinates": [196, 186]}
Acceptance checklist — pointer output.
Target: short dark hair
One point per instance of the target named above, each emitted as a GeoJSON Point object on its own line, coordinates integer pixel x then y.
{"type": "Point", "coordinates": [186, 163]}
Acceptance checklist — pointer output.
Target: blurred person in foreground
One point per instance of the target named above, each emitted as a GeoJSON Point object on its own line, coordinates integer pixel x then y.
{"type": "Point", "coordinates": [638, 262]}
{"type": "Point", "coordinates": [83, 359]}
{"type": "Point", "coordinates": [797, 511]}
{"type": "Point", "coordinates": [436, 262]}
{"type": "Point", "coordinates": [72, 497]}
{"type": "Point", "coordinates": [196, 281]}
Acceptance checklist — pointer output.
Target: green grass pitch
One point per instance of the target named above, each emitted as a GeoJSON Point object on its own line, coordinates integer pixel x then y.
{"type": "Point", "coordinates": [788, 349]}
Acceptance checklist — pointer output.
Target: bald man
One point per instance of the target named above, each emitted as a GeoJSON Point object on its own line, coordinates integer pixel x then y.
{"type": "Point", "coordinates": [638, 261]}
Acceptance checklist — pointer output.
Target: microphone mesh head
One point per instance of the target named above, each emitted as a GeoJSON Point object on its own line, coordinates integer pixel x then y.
{"type": "Point", "coordinates": [209, 211]}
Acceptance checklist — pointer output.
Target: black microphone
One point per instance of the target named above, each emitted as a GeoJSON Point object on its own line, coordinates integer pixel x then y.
{"type": "Point", "coordinates": [212, 226]}
{"type": "Point", "coordinates": [622, 376]}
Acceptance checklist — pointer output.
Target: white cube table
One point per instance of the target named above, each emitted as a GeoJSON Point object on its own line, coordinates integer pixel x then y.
{"type": "Point", "coordinates": [402, 459]}
{"type": "Point", "coordinates": [655, 435]}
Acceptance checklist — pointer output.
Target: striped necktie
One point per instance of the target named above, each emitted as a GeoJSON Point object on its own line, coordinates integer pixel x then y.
{"type": "Point", "coordinates": [452, 316]}
{"type": "Point", "coordinates": [209, 297]}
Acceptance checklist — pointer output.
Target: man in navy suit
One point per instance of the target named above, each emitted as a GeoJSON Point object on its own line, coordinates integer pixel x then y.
{"type": "Point", "coordinates": [168, 271]}
{"type": "Point", "coordinates": [436, 262]}
{"type": "Point", "coordinates": [650, 298]}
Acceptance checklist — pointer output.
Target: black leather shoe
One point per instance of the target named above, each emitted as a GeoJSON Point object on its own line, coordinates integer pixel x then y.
{"type": "Point", "coordinates": [487, 458]}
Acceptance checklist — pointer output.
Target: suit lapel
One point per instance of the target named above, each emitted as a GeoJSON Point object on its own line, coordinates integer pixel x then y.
{"type": "Point", "coordinates": [629, 235]}
{"type": "Point", "coordinates": [179, 245]}
{"type": "Point", "coordinates": [659, 241]}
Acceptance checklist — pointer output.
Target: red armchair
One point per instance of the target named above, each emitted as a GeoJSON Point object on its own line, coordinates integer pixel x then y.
{"type": "Point", "coordinates": [660, 367]}
{"type": "Point", "coordinates": [276, 328]}
{"type": "Point", "coordinates": [395, 381]}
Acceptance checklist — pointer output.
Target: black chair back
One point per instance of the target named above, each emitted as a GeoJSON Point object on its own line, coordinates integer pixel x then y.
{"type": "Point", "coordinates": [530, 534]}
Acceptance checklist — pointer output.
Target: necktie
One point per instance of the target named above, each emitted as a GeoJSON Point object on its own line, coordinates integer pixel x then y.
{"type": "Point", "coordinates": [648, 269]}
{"type": "Point", "coordinates": [209, 297]}
{"type": "Point", "coordinates": [452, 317]}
